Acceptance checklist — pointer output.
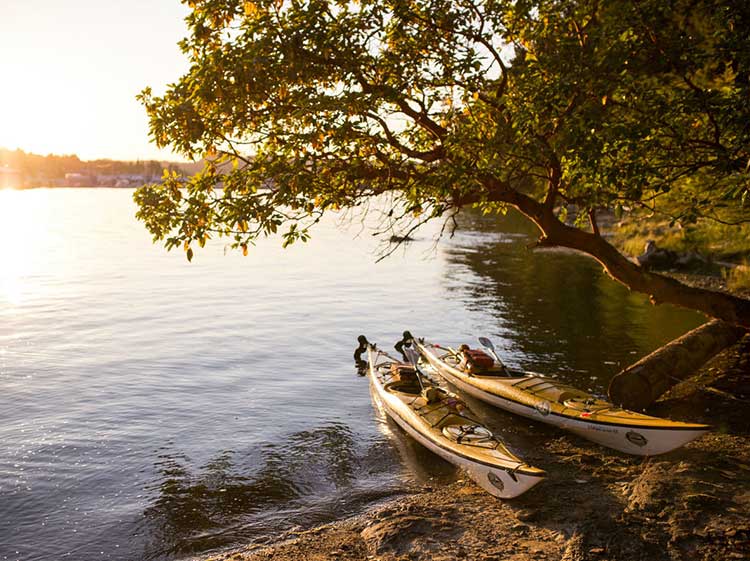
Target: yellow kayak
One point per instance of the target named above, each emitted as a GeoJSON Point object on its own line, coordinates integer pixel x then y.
{"type": "Point", "coordinates": [553, 402]}
{"type": "Point", "coordinates": [440, 421]}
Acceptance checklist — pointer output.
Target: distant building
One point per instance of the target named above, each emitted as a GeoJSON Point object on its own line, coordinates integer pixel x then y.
{"type": "Point", "coordinates": [79, 180]}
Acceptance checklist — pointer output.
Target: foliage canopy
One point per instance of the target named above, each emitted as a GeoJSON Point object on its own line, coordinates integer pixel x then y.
{"type": "Point", "coordinates": [301, 107]}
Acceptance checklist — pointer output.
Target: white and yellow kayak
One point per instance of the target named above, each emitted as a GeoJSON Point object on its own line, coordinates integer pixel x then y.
{"type": "Point", "coordinates": [550, 401]}
{"type": "Point", "coordinates": [440, 421]}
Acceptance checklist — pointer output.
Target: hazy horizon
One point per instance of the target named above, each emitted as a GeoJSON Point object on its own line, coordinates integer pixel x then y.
{"type": "Point", "coordinates": [162, 156]}
{"type": "Point", "coordinates": [71, 72]}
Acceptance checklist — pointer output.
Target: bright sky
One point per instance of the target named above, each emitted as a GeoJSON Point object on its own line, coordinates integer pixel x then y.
{"type": "Point", "coordinates": [70, 71]}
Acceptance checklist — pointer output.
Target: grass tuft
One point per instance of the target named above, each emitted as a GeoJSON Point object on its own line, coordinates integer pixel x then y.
{"type": "Point", "coordinates": [717, 241]}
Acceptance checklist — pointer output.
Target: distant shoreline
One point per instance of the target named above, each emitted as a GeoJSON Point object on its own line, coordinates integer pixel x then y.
{"type": "Point", "coordinates": [61, 187]}
{"type": "Point", "coordinates": [22, 170]}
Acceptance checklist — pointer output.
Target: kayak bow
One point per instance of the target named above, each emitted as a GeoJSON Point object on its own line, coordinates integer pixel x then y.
{"type": "Point", "coordinates": [441, 422]}
{"type": "Point", "coordinates": [553, 402]}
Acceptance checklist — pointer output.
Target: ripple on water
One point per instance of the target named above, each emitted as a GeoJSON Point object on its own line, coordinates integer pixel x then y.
{"type": "Point", "coordinates": [152, 409]}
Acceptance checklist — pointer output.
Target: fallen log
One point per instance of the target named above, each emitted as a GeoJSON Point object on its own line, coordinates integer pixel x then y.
{"type": "Point", "coordinates": [640, 384]}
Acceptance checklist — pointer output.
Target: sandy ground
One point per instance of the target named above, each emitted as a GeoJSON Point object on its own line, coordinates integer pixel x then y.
{"type": "Point", "coordinates": [597, 504]}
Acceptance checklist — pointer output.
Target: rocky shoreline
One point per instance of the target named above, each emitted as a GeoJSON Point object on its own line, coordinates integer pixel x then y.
{"type": "Point", "coordinates": [690, 504]}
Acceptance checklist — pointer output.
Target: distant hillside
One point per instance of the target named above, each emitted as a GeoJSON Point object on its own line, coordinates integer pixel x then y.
{"type": "Point", "coordinates": [23, 170]}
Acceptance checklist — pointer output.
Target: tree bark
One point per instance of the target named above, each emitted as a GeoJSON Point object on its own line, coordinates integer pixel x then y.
{"type": "Point", "coordinates": [659, 288]}
{"type": "Point", "coordinates": [641, 384]}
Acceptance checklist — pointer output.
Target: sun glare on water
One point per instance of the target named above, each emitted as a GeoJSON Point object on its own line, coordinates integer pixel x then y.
{"type": "Point", "coordinates": [23, 231]}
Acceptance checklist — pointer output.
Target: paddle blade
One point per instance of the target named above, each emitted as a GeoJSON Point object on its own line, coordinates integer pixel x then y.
{"type": "Point", "coordinates": [485, 343]}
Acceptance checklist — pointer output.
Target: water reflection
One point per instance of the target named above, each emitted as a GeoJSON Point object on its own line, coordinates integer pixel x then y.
{"type": "Point", "coordinates": [111, 349]}
{"type": "Point", "coordinates": [23, 216]}
{"type": "Point", "coordinates": [421, 464]}
{"type": "Point", "coordinates": [307, 478]}
{"type": "Point", "coordinates": [553, 311]}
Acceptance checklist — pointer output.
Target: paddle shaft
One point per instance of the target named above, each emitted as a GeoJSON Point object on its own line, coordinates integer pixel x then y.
{"type": "Point", "coordinates": [411, 354]}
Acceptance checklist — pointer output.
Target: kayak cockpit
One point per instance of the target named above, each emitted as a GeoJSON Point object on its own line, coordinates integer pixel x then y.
{"type": "Point", "coordinates": [587, 404]}
{"type": "Point", "coordinates": [404, 386]}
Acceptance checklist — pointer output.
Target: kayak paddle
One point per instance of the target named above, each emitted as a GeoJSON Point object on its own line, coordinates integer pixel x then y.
{"type": "Point", "coordinates": [487, 344]}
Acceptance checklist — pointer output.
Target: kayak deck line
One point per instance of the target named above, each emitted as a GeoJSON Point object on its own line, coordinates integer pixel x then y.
{"type": "Point", "coordinates": [437, 406]}
{"type": "Point", "coordinates": [442, 422]}
{"type": "Point", "coordinates": [511, 470]}
{"type": "Point", "coordinates": [537, 380]}
{"type": "Point", "coordinates": [548, 400]}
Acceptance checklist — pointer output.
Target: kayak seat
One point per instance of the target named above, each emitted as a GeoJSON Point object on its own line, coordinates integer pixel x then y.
{"type": "Point", "coordinates": [402, 369]}
{"type": "Point", "coordinates": [585, 403]}
{"type": "Point", "coordinates": [404, 373]}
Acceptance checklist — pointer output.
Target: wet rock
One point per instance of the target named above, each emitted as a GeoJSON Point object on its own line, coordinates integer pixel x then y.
{"type": "Point", "coordinates": [654, 257]}
{"type": "Point", "coordinates": [690, 260]}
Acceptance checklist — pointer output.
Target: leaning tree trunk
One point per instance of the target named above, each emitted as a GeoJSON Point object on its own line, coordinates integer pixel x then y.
{"type": "Point", "coordinates": [641, 384]}
{"type": "Point", "coordinates": [659, 288]}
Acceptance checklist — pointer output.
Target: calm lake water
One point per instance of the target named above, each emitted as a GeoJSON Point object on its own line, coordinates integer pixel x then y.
{"type": "Point", "coordinates": [156, 409]}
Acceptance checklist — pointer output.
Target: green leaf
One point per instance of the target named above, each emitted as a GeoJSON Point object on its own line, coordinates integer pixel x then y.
{"type": "Point", "coordinates": [309, 110]}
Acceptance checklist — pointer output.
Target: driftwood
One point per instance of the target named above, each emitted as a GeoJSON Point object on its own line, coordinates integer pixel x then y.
{"type": "Point", "coordinates": [641, 384]}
